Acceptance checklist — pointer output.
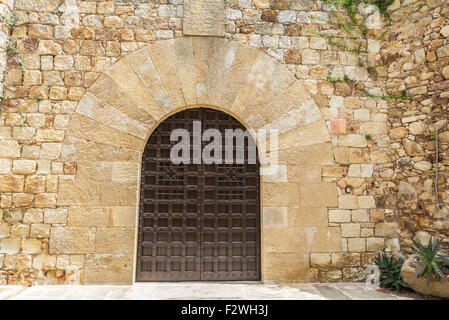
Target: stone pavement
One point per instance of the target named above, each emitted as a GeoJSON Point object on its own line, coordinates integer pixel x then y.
{"type": "Point", "coordinates": [197, 291]}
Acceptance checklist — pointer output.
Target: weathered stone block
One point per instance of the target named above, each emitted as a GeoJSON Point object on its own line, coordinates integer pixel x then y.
{"type": "Point", "coordinates": [117, 240]}
{"type": "Point", "coordinates": [11, 183]}
{"type": "Point", "coordinates": [9, 245]}
{"type": "Point", "coordinates": [32, 246]}
{"type": "Point", "coordinates": [319, 239]}
{"type": "Point", "coordinates": [204, 18]}
{"type": "Point", "coordinates": [287, 267]}
{"type": "Point", "coordinates": [44, 262]}
{"type": "Point", "coordinates": [318, 195]}
{"type": "Point", "coordinates": [88, 216]}
{"type": "Point", "coordinates": [339, 216]}
{"type": "Point", "coordinates": [79, 193]}
{"type": "Point", "coordinates": [72, 240]}
{"type": "Point", "coordinates": [350, 230]}
{"type": "Point", "coordinates": [9, 149]}
{"type": "Point", "coordinates": [55, 216]}
{"type": "Point", "coordinates": [307, 217]}
{"type": "Point", "coordinates": [24, 166]}
{"type": "Point", "coordinates": [320, 259]}
{"type": "Point", "coordinates": [108, 268]}
{"type": "Point", "coordinates": [39, 230]}
{"type": "Point", "coordinates": [386, 229]}
{"type": "Point", "coordinates": [274, 216]}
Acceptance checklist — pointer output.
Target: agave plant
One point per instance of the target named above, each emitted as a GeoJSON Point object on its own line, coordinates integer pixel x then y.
{"type": "Point", "coordinates": [390, 272]}
{"type": "Point", "coordinates": [432, 264]}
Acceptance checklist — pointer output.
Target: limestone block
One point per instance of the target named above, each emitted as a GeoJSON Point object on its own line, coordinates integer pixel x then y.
{"type": "Point", "coordinates": [39, 230]}
{"type": "Point", "coordinates": [118, 194]}
{"type": "Point", "coordinates": [286, 267]}
{"type": "Point", "coordinates": [281, 239]}
{"type": "Point", "coordinates": [33, 216]}
{"type": "Point", "coordinates": [90, 107]}
{"type": "Point", "coordinates": [87, 129]}
{"type": "Point", "coordinates": [32, 78]}
{"type": "Point", "coordinates": [20, 200]}
{"type": "Point", "coordinates": [79, 193]}
{"type": "Point", "coordinates": [366, 202]}
{"type": "Point", "coordinates": [204, 18]}
{"type": "Point", "coordinates": [5, 166]}
{"type": "Point", "coordinates": [4, 229]}
{"type": "Point", "coordinates": [10, 245]}
{"type": "Point", "coordinates": [45, 200]}
{"type": "Point", "coordinates": [318, 195]}
{"type": "Point", "coordinates": [94, 171]}
{"type": "Point", "coordinates": [88, 216]}
{"type": "Point", "coordinates": [36, 120]}
{"type": "Point", "coordinates": [45, 135]}
{"type": "Point", "coordinates": [44, 262]}
{"type": "Point", "coordinates": [24, 133]}
{"type": "Point", "coordinates": [280, 194]}
{"type": "Point", "coordinates": [11, 183]}
{"type": "Point", "coordinates": [32, 246]}
{"type": "Point", "coordinates": [55, 216]}
{"type": "Point", "coordinates": [350, 230]}
{"type": "Point", "coordinates": [304, 174]}
{"type": "Point", "coordinates": [35, 184]}
{"type": "Point", "coordinates": [17, 262]}
{"type": "Point", "coordinates": [373, 128]}
{"type": "Point", "coordinates": [360, 215]}
{"type": "Point", "coordinates": [375, 244]}
{"type": "Point", "coordinates": [49, 47]}
{"type": "Point", "coordinates": [307, 217]}
{"type": "Point", "coordinates": [356, 245]}
{"type": "Point", "coordinates": [319, 239]}
{"type": "Point", "coordinates": [24, 166]}
{"type": "Point", "coordinates": [274, 217]}
{"type": "Point", "coordinates": [129, 81]}
{"type": "Point", "coordinates": [339, 216]}
{"type": "Point", "coordinates": [347, 202]}
{"type": "Point", "coordinates": [320, 259]}
{"type": "Point", "coordinates": [124, 216]}
{"type": "Point", "coordinates": [14, 215]}
{"type": "Point", "coordinates": [72, 240]}
{"type": "Point", "coordinates": [279, 176]}
{"type": "Point", "coordinates": [386, 229]}
{"type": "Point", "coordinates": [125, 171]}
{"type": "Point", "coordinates": [346, 260]}
{"type": "Point", "coordinates": [117, 240]}
{"type": "Point", "coordinates": [113, 22]}
{"type": "Point", "coordinates": [108, 268]}
{"type": "Point", "coordinates": [353, 140]}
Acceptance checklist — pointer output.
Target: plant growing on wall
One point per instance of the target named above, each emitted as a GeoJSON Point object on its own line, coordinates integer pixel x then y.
{"type": "Point", "coordinates": [345, 17]}
{"type": "Point", "coordinates": [431, 263]}
{"type": "Point", "coordinates": [390, 272]}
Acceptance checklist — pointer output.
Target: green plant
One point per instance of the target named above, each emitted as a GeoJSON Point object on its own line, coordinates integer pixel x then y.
{"type": "Point", "coordinates": [11, 47]}
{"type": "Point", "coordinates": [383, 5]}
{"type": "Point", "coordinates": [368, 137]}
{"type": "Point", "coordinates": [432, 264]}
{"type": "Point", "coordinates": [390, 272]}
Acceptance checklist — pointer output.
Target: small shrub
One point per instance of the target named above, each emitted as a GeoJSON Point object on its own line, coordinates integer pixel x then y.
{"type": "Point", "coordinates": [368, 137]}
{"type": "Point", "coordinates": [431, 264]}
{"type": "Point", "coordinates": [390, 272]}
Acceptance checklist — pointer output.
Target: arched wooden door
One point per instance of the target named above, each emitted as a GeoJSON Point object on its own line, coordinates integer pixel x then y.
{"type": "Point", "coordinates": [197, 221]}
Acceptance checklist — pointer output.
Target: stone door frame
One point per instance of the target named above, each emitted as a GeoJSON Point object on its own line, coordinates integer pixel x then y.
{"type": "Point", "coordinates": [114, 119]}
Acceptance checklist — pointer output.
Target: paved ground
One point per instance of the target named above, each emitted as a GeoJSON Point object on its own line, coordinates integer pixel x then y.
{"type": "Point", "coordinates": [196, 291]}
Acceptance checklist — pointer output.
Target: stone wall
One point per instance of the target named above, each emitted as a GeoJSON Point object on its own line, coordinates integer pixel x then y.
{"type": "Point", "coordinates": [417, 49]}
{"type": "Point", "coordinates": [67, 45]}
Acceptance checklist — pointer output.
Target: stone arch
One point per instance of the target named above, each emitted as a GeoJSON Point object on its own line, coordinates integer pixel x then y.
{"type": "Point", "coordinates": [112, 122]}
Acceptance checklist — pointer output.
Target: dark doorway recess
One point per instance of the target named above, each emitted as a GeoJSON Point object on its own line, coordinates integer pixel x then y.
{"type": "Point", "coordinates": [197, 221]}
